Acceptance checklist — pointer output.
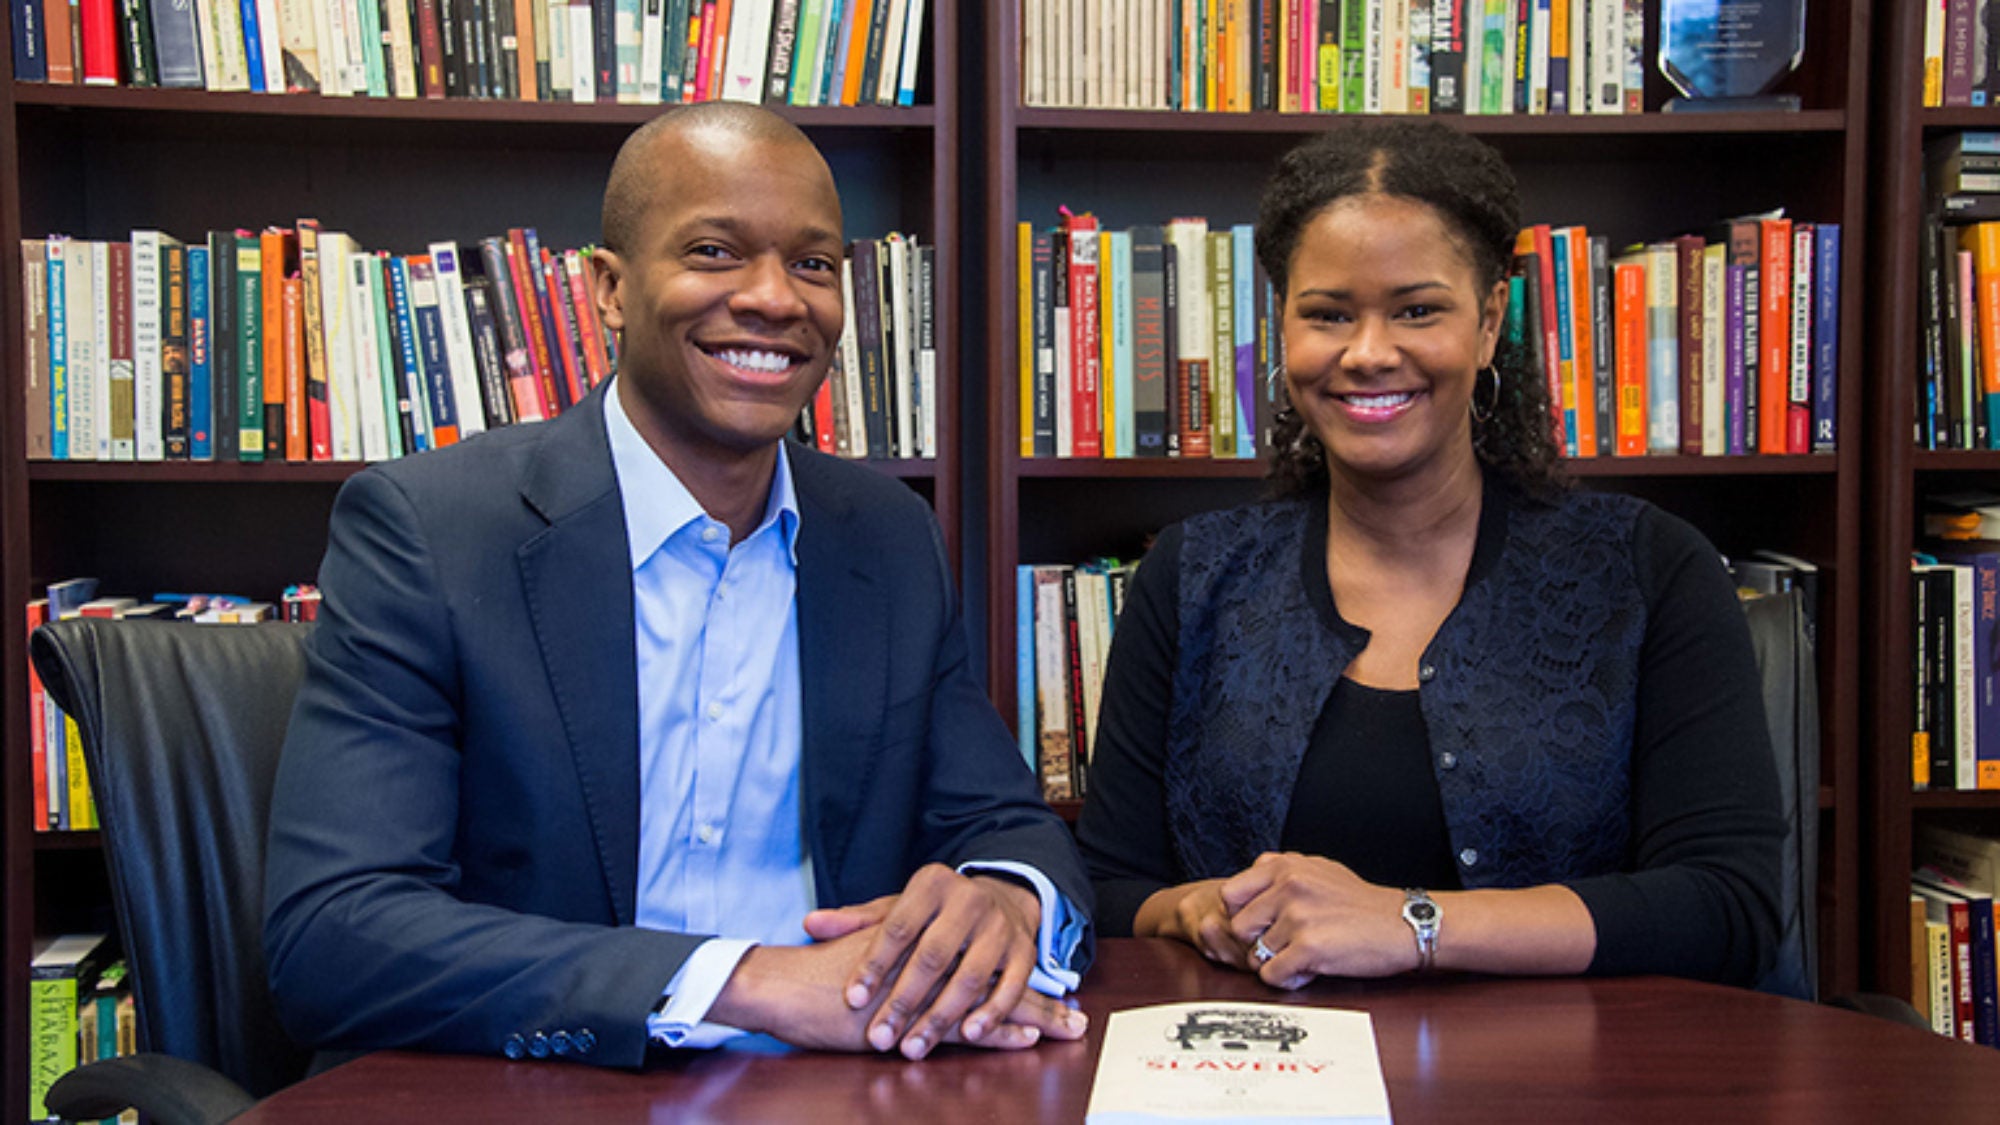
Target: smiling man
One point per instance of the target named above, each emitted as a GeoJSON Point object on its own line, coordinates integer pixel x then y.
{"type": "Point", "coordinates": [643, 728]}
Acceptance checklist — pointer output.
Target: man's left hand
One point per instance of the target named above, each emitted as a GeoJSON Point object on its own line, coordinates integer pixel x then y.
{"type": "Point", "coordinates": [966, 946]}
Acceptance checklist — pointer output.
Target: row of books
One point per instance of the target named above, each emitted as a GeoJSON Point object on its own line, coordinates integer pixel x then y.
{"type": "Point", "coordinates": [1336, 56]}
{"type": "Point", "coordinates": [80, 1010]}
{"type": "Point", "coordinates": [797, 52]}
{"type": "Point", "coordinates": [61, 783]}
{"type": "Point", "coordinates": [1157, 340]}
{"type": "Point", "coordinates": [1953, 977]}
{"type": "Point", "coordinates": [1064, 618]}
{"type": "Point", "coordinates": [296, 344]}
{"type": "Point", "coordinates": [1961, 53]}
{"type": "Point", "coordinates": [880, 396]}
{"type": "Point", "coordinates": [1958, 396]}
{"type": "Point", "coordinates": [1724, 343]}
{"type": "Point", "coordinates": [1954, 628]}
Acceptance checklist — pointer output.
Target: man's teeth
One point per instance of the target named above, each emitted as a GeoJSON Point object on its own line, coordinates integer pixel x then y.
{"type": "Point", "coordinates": [1379, 402]}
{"type": "Point", "coordinates": [770, 362]}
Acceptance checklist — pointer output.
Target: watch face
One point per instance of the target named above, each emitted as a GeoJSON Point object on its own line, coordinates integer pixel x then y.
{"type": "Point", "coordinates": [1422, 912]}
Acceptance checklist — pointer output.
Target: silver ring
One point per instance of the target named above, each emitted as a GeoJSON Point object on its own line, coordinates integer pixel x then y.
{"type": "Point", "coordinates": [1260, 952]}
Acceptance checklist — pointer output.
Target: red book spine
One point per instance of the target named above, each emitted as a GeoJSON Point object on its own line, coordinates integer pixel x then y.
{"type": "Point", "coordinates": [430, 49]}
{"type": "Point", "coordinates": [1085, 337]}
{"type": "Point", "coordinates": [594, 356]}
{"type": "Point", "coordinates": [526, 303]}
{"type": "Point", "coordinates": [560, 312]}
{"type": "Point", "coordinates": [823, 437]}
{"type": "Point", "coordinates": [1774, 336]}
{"type": "Point", "coordinates": [100, 42]}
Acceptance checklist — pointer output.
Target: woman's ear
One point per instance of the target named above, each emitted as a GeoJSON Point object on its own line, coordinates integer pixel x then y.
{"type": "Point", "coordinates": [1492, 315]}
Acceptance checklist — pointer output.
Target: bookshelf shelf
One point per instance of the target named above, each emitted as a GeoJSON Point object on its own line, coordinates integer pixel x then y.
{"type": "Point", "coordinates": [1956, 460]}
{"type": "Point", "coordinates": [1141, 468]}
{"type": "Point", "coordinates": [1987, 800]}
{"type": "Point", "coordinates": [1798, 464]}
{"type": "Point", "coordinates": [292, 472]}
{"type": "Point", "coordinates": [430, 110]}
{"type": "Point", "coordinates": [1829, 121]}
{"type": "Point", "coordinates": [1959, 117]}
{"type": "Point", "coordinates": [68, 841]}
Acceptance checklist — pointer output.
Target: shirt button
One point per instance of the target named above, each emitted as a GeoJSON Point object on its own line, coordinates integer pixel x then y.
{"type": "Point", "coordinates": [706, 834]}
{"type": "Point", "coordinates": [715, 710]}
{"type": "Point", "coordinates": [1426, 672]}
{"type": "Point", "coordinates": [710, 534]}
{"type": "Point", "coordinates": [1447, 760]}
{"type": "Point", "coordinates": [1468, 857]}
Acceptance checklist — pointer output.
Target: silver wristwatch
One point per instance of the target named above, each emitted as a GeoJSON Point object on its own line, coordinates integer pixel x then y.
{"type": "Point", "coordinates": [1423, 915]}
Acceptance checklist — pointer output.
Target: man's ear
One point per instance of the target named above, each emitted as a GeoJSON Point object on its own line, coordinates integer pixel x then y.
{"type": "Point", "coordinates": [607, 270]}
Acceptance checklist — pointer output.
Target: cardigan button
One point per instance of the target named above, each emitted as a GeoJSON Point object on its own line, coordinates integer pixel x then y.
{"type": "Point", "coordinates": [1448, 761]}
{"type": "Point", "coordinates": [1426, 672]}
{"type": "Point", "coordinates": [1468, 857]}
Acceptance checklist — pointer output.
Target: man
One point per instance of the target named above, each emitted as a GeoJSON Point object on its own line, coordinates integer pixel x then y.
{"type": "Point", "coordinates": [585, 693]}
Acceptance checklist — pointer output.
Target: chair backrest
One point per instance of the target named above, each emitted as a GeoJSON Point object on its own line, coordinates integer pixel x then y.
{"type": "Point", "coordinates": [181, 727]}
{"type": "Point", "coordinates": [1783, 642]}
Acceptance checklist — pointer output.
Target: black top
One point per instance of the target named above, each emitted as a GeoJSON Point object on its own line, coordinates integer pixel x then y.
{"type": "Point", "coordinates": [1366, 794]}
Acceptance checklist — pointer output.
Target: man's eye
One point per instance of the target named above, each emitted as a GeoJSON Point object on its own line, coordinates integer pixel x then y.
{"type": "Point", "coordinates": [710, 251]}
{"type": "Point", "coordinates": [818, 265]}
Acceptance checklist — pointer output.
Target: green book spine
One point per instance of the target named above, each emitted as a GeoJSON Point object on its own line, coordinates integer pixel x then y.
{"type": "Point", "coordinates": [249, 348]}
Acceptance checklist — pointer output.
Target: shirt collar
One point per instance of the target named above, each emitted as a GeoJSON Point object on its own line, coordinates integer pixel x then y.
{"type": "Point", "coordinates": [657, 504]}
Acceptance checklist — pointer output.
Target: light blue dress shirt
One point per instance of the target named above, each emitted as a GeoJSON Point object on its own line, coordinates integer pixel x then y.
{"type": "Point", "coordinates": [721, 831]}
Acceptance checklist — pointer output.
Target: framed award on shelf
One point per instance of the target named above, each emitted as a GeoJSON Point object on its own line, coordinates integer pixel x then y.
{"type": "Point", "coordinates": [1731, 54]}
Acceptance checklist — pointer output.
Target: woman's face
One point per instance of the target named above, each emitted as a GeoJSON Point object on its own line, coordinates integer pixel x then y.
{"type": "Point", "coordinates": [1386, 327]}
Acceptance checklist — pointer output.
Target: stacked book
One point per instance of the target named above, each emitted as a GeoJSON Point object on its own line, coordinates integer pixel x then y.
{"type": "Point", "coordinates": [1958, 395]}
{"type": "Point", "coordinates": [296, 344]}
{"type": "Point", "coordinates": [1064, 618]}
{"type": "Point", "coordinates": [1336, 56]}
{"type": "Point", "coordinates": [796, 52]}
{"type": "Point", "coordinates": [1723, 343]}
{"type": "Point", "coordinates": [80, 1010]}
{"type": "Point", "coordinates": [1952, 952]}
{"type": "Point", "coordinates": [1954, 630]}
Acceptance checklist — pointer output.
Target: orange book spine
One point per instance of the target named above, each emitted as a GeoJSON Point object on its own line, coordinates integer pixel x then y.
{"type": "Point", "coordinates": [1774, 325]}
{"type": "Point", "coordinates": [859, 15]}
{"type": "Point", "coordinates": [524, 40]}
{"type": "Point", "coordinates": [1983, 239]}
{"type": "Point", "coordinates": [57, 29]}
{"type": "Point", "coordinates": [271, 282]}
{"type": "Point", "coordinates": [717, 57]}
{"type": "Point", "coordinates": [1579, 318]}
{"type": "Point", "coordinates": [1628, 334]}
{"type": "Point", "coordinates": [293, 330]}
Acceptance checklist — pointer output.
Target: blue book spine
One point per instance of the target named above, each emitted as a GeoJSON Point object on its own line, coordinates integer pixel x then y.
{"type": "Point", "coordinates": [253, 47]}
{"type": "Point", "coordinates": [430, 348]}
{"type": "Point", "coordinates": [836, 67]}
{"type": "Point", "coordinates": [58, 352]}
{"type": "Point", "coordinates": [406, 339]}
{"type": "Point", "coordinates": [177, 44]}
{"type": "Point", "coordinates": [1566, 338]}
{"type": "Point", "coordinates": [30, 63]}
{"type": "Point", "coordinates": [201, 359]}
{"type": "Point", "coordinates": [1826, 335]}
{"type": "Point", "coordinates": [1984, 560]}
{"type": "Point", "coordinates": [1124, 440]}
{"type": "Point", "coordinates": [1024, 662]}
{"type": "Point", "coordinates": [1243, 282]}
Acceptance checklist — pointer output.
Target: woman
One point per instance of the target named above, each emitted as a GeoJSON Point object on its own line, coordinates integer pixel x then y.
{"type": "Point", "coordinates": [1428, 708]}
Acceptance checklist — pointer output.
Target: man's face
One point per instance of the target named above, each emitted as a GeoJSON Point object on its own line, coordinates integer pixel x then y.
{"type": "Point", "coordinates": [728, 300]}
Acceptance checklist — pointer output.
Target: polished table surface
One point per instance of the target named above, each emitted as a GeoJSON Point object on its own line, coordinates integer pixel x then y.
{"type": "Point", "coordinates": [1453, 1049]}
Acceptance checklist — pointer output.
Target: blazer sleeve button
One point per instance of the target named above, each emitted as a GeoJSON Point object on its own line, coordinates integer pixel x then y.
{"type": "Point", "coordinates": [538, 1045]}
{"type": "Point", "coordinates": [515, 1047]}
{"type": "Point", "coordinates": [559, 1043]}
{"type": "Point", "coordinates": [584, 1040]}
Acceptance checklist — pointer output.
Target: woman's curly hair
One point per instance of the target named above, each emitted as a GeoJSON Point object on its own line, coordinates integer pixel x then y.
{"type": "Point", "coordinates": [1472, 190]}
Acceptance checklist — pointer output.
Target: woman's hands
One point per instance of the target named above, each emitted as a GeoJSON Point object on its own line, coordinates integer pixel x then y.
{"type": "Point", "coordinates": [1288, 918]}
{"type": "Point", "coordinates": [1305, 916]}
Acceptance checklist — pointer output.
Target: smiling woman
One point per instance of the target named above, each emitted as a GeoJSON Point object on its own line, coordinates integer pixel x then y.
{"type": "Point", "coordinates": [1428, 666]}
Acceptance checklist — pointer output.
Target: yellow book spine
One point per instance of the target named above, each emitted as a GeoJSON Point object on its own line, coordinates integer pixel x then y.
{"type": "Point", "coordinates": [1024, 253]}
{"type": "Point", "coordinates": [81, 813]}
{"type": "Point", "coordinates": [1107, 336]}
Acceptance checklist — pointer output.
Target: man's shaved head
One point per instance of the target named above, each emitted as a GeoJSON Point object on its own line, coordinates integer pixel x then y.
{"type": "Point", "coordinates": [636, 173]}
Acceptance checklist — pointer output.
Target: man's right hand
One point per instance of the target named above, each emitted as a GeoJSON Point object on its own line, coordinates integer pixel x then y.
{"type": "Point", "coordinates": [797, 994]}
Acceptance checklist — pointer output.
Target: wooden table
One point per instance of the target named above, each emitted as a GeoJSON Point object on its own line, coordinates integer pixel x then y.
{"type": "Point", "coordinates": [1545, 1052]}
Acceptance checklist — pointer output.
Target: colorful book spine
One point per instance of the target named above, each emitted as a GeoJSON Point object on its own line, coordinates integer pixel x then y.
{"type": "Point", "coordinates": [1826, 337]}
{"type": "Point", "coordinates": [201, 363]}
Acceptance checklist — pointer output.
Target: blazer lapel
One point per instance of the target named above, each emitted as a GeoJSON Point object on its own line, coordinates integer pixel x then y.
{"type": "Point", "coordinates": [843, 670]}
{"type": "Point", "coordinates": [576, 577]}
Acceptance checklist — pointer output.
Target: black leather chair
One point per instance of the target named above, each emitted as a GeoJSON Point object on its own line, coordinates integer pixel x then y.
{"type": "Point", "coordinates": [182, 725]}
{"type": "Point", "coordinates": [1791, 705]}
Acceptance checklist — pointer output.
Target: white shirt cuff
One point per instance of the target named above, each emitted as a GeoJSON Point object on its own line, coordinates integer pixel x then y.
{"type": "Point", "coordinates": [693, 991]}
{"type": "Point", "coordinates": [1060, 931]}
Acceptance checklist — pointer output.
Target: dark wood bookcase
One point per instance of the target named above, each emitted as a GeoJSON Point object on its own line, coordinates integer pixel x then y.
{"type": "Point", "coordinates": [1901, 475]}
{"type": "Point", "coordinates": [1639, 177]}
{"type": "Point", "coordinates": [98, 162]}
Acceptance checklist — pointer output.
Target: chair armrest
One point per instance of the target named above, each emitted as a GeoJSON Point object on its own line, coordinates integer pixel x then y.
{"type": "Point", "coordinates": [164, 1089]}
{"type": "Point", "coordinates": [1883, 1006]}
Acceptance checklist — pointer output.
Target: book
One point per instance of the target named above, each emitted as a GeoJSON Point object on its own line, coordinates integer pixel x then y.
{"type": "Point", "coordinates": [1238, 1061]}
{"type": "Point", "coordinates": [60, 973]}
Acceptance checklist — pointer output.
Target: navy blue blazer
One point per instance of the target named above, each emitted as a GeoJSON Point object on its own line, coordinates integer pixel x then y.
{"type": "Point", "coordinates": [454, 834]}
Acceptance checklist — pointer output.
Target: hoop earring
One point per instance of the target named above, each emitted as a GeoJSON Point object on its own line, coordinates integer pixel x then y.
{"type": "Point", "coordinates": [1481, 414]}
